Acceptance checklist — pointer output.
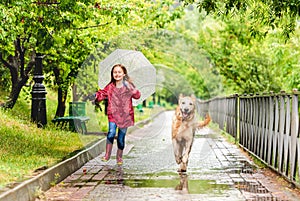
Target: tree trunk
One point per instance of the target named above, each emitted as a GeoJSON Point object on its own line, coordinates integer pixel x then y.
{"type": "Point", "coordinates": [74, 91]}
{"type": "Point", "coordinates": [62, 93]}
{"type": "Point", "coordinates": [19, 73]}
{"type": "Point", "coordinates": [15, 92]}
{"type": "Point", "coordinates": [61, 102]}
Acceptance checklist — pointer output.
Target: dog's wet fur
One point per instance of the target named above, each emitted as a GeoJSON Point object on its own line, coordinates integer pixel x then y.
{"type": "Point", "coordinates": [184, 125]}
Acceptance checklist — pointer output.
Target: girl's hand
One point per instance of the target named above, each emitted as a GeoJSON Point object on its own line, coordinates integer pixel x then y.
{"type": "Point", "coordinates": [129, 85]}
{"type": "Point", "coordinates": [132, 87]}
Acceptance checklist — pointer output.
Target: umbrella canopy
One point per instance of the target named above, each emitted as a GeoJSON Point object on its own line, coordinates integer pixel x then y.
{"type": "Point", "coordinates": [139, 69]}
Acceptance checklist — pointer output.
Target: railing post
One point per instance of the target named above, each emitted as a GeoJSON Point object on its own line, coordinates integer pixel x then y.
{"type": "Point", "coordinates": [270, 128]}
{"type": "Point", "coordinates": [281, 129]}
{"type": "Point", "coordinates": [237, 116]}
{"type": "Point", "coordinates": [294, 136]}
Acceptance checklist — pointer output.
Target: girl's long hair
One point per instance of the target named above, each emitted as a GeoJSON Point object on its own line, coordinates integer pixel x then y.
{"type": "Point", "coordinates": [127, 78]}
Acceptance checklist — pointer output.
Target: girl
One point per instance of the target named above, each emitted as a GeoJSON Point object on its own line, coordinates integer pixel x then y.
{"type": "Point", "coordinates": [119, 92]}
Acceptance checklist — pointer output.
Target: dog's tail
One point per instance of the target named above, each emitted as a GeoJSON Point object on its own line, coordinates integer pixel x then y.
{"type": "Point", "coordinates": [205, 122]}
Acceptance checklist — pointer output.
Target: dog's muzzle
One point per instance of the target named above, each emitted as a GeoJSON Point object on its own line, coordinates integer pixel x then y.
{"type": "Point", "coordinates": [185, 113]}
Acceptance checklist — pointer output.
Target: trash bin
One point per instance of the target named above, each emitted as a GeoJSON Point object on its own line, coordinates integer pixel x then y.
{"type": "Point", "coordinates": [77, 109]}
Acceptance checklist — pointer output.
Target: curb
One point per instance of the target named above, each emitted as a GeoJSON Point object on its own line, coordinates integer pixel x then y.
{"type": "Point", "coordinates": [27, 190]}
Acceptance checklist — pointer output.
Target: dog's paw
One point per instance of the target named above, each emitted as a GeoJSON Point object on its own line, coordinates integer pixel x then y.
{"type": "Point", "coordinates": [178, 160]}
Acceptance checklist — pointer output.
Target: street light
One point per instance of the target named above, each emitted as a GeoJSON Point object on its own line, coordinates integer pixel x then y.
{"type": "Point", "coordinates": [38, 93]}
{"type": "Point", "coordinates": [38, 104]}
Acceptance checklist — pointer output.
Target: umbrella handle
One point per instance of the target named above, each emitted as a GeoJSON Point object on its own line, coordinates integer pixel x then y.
{"type": "Point", "coordinates": [127, 83]}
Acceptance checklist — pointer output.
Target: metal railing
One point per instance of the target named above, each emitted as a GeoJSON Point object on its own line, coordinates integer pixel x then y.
{"type": "Point", "coordinates": [265, 125]}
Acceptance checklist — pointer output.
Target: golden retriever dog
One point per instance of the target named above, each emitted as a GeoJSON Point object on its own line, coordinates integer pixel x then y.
{"type": "Point", "coordinates": [184, 125]}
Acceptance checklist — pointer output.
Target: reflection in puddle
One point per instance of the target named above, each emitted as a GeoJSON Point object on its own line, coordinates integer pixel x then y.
{"type": "Point", "coordinates": [182, 184]}
{"type": "Point", "coordinates": [114, 176]}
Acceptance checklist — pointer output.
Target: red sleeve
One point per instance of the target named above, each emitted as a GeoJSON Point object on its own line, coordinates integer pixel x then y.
{"type": "Point", "coordinates": [136, 94]}
{"type": "Point", "coordinates": [102, 93]}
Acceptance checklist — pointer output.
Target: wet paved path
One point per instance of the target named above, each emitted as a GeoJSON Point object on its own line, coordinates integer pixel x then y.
{"type": "Point", "coordinates": [217, 171]}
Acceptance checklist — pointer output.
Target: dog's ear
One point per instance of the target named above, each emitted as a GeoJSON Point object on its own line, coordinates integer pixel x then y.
{"type": "Point", "coordinates": [193, 97]}
{"type": "Point", "coordinates": [180, 96]}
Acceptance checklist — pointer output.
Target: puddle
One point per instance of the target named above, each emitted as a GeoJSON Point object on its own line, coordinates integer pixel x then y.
{"type": "Point", "coordinates": [207, 135]}
{"type": "Point", "coordinates": [168, 180]}
{"type": "Point", "coordinates": [192, 186]}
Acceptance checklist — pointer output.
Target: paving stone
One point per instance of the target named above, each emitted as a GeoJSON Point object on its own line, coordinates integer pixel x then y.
{"type": "Point", "coordinates": [250, 180]}
{"type": "Point", "coordinates": [82, 192]}
{"type": "Point", "coordinates": [238, 180]}
{"type": "Point", "coordinates": [96, 169]}
{"type": "Point", "coordinates": [72, 178]}
{"type": "Point", "coordinates": [100, 176]}
{"type": "Point", "coordinates": [235, 175]}
{"type": "Point", "coordinates": [86, 177]}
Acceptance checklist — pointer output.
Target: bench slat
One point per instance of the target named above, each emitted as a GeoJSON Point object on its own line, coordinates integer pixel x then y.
{"type": "Point", "coordinates": [75, 123]}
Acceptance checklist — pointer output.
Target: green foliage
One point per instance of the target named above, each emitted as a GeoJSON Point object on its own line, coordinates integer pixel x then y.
{"type": "Point", "coordinates": [272, 16]}
{"type": "Point", "coordinates": [166, 12]}
{"type": "Point", "coordinates": [251, 56]}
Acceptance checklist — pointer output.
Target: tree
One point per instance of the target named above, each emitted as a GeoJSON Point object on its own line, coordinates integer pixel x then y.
{"type": "Point", "coordinates": [244, 41]}
{"type": "Point", "coordinates": [276, 11]}
{"type": "Point", "coordinates": [66, 32]}
{"type": "Point", "coordinates": [28, 27]}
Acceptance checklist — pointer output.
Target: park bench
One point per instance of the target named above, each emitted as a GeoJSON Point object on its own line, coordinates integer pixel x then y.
{"type": "Point", "coordinates": [73, 123]}
{"type": "Point", "coordinates": [77, 119]}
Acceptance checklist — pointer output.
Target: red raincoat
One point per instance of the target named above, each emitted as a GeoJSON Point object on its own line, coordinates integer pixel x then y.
{"type": "Point", "coordinates": [119, 109]}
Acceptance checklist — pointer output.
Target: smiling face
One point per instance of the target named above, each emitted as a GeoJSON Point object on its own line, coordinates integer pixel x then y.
{"type": "Point", "coordinates": [118, 73]}
{"type": "Point", "coordinates": [187, 105]}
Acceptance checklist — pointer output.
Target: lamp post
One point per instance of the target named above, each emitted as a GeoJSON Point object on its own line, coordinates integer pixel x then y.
{"type": "Point", "coordinates": [38, 93]}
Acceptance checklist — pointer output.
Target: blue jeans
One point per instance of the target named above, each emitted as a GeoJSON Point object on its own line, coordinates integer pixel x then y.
{"type": "Point", "coordinates": [112, 128]}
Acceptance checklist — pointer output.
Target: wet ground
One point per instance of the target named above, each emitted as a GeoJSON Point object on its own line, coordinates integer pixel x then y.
{"type": "Point", "coordinates": [217, 170]}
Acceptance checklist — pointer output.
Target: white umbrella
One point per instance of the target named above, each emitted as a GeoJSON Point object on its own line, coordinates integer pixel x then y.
{"type": "Point", "coordinates": [139, 69]}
